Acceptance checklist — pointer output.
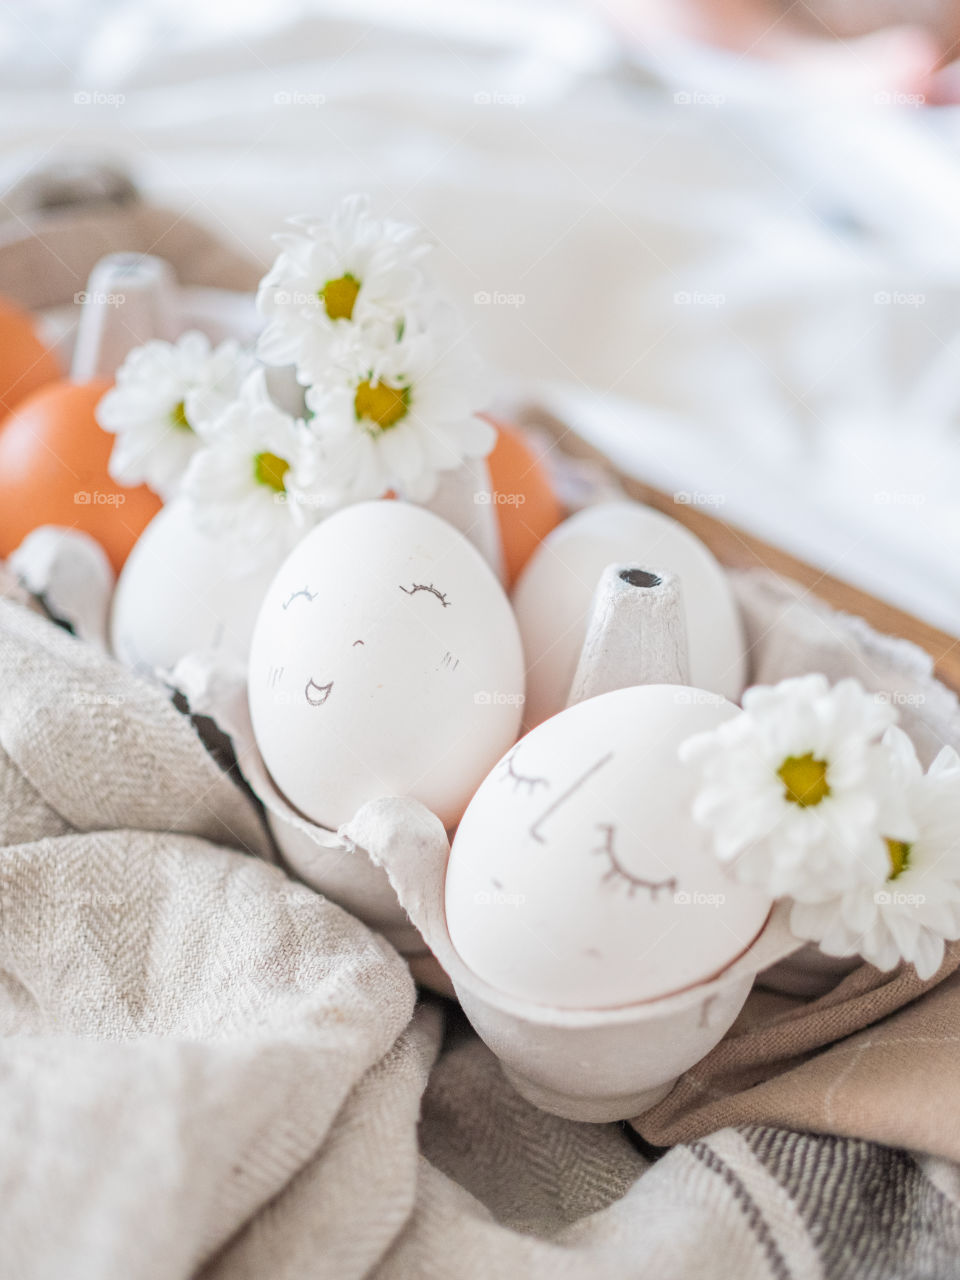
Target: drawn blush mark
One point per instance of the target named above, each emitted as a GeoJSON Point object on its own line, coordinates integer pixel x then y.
{"type": "Point", "coordinates": [618, 872]}
{"type": "Point", "coordinates": [304, 593]}
{"type": "Point", "coordinates": [495, 882]}
{"type": "Point", "coordinates": [275, 675]}
{"type": "Point", "coordinates": [448, 660]}
{"type": "Point", "coordinates": [317, 694]}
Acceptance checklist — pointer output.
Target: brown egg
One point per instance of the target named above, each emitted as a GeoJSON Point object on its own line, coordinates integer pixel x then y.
{"type": "Point", "coordinates": [53, 470]}
{"type": "Point", "coordinates": [527, 508]}
{"type": "Point", "coordinates": [25, 363]}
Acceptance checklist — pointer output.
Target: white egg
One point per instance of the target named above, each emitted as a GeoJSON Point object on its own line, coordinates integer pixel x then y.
{"type": "Point", "coordinates": [553, 596]}
{"type": "Point", "coordinates": [578, 878]}
{"type": "Point", "coordinates": [182, 591]}
{"type": "Point", "coordinates": [385, 661]}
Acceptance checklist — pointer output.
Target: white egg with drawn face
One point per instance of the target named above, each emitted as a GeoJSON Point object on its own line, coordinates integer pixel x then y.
{"type": "Point", "coordinates": [385, 661]}
{"type": "Point", "coordinates": [578, 878]}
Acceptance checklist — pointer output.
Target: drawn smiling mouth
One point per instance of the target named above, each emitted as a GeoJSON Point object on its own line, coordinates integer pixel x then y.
{"type": "Point", "coordinates": [317, 694]}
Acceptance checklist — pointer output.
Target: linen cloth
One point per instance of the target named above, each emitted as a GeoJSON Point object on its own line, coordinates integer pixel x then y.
{"type": "Point", "coordinates": [209, 1070]}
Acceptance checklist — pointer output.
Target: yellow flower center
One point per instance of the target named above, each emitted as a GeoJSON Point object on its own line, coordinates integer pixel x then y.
{"type": "Point", "coordinates": [381, 404]}
{"type": "Point", "coordinates": [339, 296]}
{"type": "Point", "coordinates": [899, 851]}
{"type": "Point", "coordinates": [804, 779]}
{"type": "Point", "coordinates": [178, 417]}
{"type": "Point", "coordinates": [270, 470]}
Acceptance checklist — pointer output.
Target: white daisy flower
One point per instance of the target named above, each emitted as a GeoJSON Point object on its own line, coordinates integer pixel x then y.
{"type": "Point", "coordinates": [789, 789]}
{"type": "Point", "coordinates": [335, 278]}
{"type": "Point", "coordinates": [244, 481]}
{"type": "Point", "coordinates": [398, 415]}
{"type": "Point", "coordinates": [165, 393]}
{"type": "Point", "coordinates": [915, 906]}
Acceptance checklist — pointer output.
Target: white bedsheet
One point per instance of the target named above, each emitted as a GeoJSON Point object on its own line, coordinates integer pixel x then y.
{"type": "Point", "coordinates": [749, 303]}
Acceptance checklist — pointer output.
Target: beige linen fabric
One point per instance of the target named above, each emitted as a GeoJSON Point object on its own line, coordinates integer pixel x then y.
{"type": "Point", "coordinates": [180, 1024]}
{"type": "Point", "coordinates": [874, 1058]}
{"type": "Point", "coordinates": [206, 1069]}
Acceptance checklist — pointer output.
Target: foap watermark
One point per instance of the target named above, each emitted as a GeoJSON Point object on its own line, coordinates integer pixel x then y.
{"type": "Point", "coordinates": [99, 299]}
{"type": "Point", "coordinates": [684, 697]}
{"type": "Point", "coordinates": [894, 98]}
{"type": "Point", "coordinates": [98, 98]}
{"type": "Point", "coordinates": [89, 898]}
{"type": "Point", "coordinates": [498, 298]}
{"type": "Point", "coordinates": [900, 698]}
{"type": "Point", "coordinates": [498, 898]}
{"type": "Point", "coordinates": [84, 698]}
{"type": "Point", "coordinates": [495, 698]}
{"type": "Point", "coordinates": [696, 498]}
{"type": "Point", "coordinates": [298, 298]}
{"type": "Point", "coordinates": [899, 498]}
{"type": "Point", "coordinates": [485, 498]}
{"type": "Point", "coordinates": [684, 898]}
{"type": "Point", "coordinates": [97, 498]}
{"type": "Point", "coordinates": [698, 298]}
{"type": "Point", "coordinates": [298, 98]}
{"type": "Point", "coordinates": [898, 298]}
{"type": "Point", "coordinates": [896, 898]}
{"type": "Point", "coordinates": [697, 98]}
{"type": "Point", "coordinates": [308, 501]}
{"type": "Point", "coordinates": [297, 897]}
{"type": "Point", "coordinates": [498, 98]}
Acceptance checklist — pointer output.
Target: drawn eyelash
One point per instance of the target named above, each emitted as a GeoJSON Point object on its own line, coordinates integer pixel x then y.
{"type": "Point", "coordinates": [302, 592]}
{"type": "Point", "coordinates": [519, 780]}
{"type": "Point", "coordinates": [425, 586]}
{"type": "Point", "coordinates": [317, 694]}
{"type": "Point", "coordinates": [617, 871]}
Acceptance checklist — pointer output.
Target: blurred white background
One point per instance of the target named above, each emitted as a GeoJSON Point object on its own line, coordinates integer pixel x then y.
{"type": "Point", "coordinates": [743, 279]}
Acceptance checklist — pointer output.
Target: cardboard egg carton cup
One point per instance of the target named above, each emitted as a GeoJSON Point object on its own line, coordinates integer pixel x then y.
{"type": "Point", "coordinates": [387, 865]}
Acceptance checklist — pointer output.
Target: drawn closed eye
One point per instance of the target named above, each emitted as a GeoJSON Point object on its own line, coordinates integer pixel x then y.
{"type": "Point", "coordinates": [317, 694]}
{"type": "Point", "coordinates": [617, 873]}
{"type": "Point", "coordinates": [522, 780]}
{"type": "Point", "coordinates": [428, 587]}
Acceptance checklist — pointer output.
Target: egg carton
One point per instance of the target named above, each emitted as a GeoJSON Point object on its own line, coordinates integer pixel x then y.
{"type": "Point", "coordinates": [388, 864]}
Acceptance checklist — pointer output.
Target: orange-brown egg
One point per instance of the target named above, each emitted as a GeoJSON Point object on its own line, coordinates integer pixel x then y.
{"type": "Point", "coordinates": [25, 363]}
{"type": "Point", "coordinates": [526, 505]}
{"type": "Point", "coordinates": [53, 470]}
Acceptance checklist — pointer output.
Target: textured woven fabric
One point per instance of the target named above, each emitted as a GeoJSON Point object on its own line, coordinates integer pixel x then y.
{"type": "Point", "coordinates": [209, 1070]}
{"type": "Point", "coordinates": [870, 1211]}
